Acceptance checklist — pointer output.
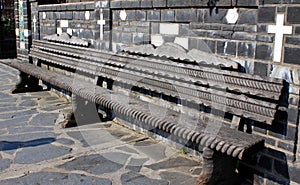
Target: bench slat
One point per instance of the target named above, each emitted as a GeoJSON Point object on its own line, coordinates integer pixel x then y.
{"type": "Point", "coordinates": [236, 104]}
{"type": "Point", "coordinates": [239, 82]}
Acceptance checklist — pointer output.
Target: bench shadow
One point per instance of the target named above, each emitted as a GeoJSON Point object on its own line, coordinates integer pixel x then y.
{"type": "Point", "coordinates": [12, 145]}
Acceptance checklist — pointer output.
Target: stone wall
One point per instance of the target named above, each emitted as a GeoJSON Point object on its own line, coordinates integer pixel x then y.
{"type": "Point", "coordinates": [248, 40]}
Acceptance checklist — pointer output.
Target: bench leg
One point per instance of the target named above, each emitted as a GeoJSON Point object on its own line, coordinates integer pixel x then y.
{"type": "Point", "coordinates": [27, 84]}
{"type": "Point", "coordinates": [218, 169]}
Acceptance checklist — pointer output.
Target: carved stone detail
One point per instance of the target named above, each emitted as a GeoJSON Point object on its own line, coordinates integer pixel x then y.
{"type": "Point", "coordinates": [66, 38]}
{"type": "Point", "coordinates": [175, 51]}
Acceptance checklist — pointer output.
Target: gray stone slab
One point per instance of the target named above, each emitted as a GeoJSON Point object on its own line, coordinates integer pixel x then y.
{"type": "Point", "coordinates": [154, 150]}
{"type": "Point", "coordinates": [8, 100]}
{"type": "Point", "coordinates": [127, 149]}
{"type": "Point", "coordinates": [4, 163]}
{"type": "Point", "coordinates": [65, 141]}
{"type": "Point", "coordinates": [9, 104]}
{"type": "Point", "coordinates": [44, 119]}
{"type": "Point", "coordinates": [17, 114]}
{"type": "Point", "coordinates": [28, 103]}
{"type": "Point", "coordinates": [130, 139]}
{"type": "Point", "coordinates": [13, 145]}
{"type": "Point", "coordinates": [90, 138]}
{"type": "Point", "coordinates": [136, 164]}
{"type": "Point", "coordinates": [26, 137]}
{"type": "Point", "coordinates": [19, 121]}
{"type": "Point", "coordinates": [22, 129]}
{"type": "Point", "coordinates": [6, 87]}
{"type": "Point", "coordinates": [55, 107]}
{"type": "Point", "coordinates": [4, 96]}
{"type": "Point", "coordinates": [95, 164]}
{"type": "Point", "coordinates": [176, 178]}
{"type": "Point", "coordinates": [11, 109]}
{"type": "Point", "coordinates": [3, 131]}
{"type": "Point", "coordinates": [174, 163]}
{"type": "Point", "coordinates": [50, 178]}
{"type": "Point", "coordinates": [133, 178]}
{"type": "Point", "coordinates": [40, 153]}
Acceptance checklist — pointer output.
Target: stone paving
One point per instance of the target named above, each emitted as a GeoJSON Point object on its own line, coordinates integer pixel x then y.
{"type": "Point", "coordinates": [34, 149]}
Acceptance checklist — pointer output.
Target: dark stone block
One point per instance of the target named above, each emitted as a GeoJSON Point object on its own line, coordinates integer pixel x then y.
{"type": "Point", "coordinates": [82, 15]}
{"type": "Point", "coordinates": [63, 7]}
{"type": "Point", "coordinates": [90, 6]}
{"type": "Point", "coordinates": [246, 49]}
{"type": "Point", "coordinates": [130, 15]}
{"type": "Point", "coordinates": [291, 1]}
{"type": "Point", "coordinates": [159, 3]}
{"type": "Point", "coordinates": [218, 34]}
{"type": "Point", "coordinates": [245, 3]}
{"type": "Point", "coordinates": [115, 4]}
{"type": "Point", "coordinates": [63, 15]}
{"type": "Point", "coordinates": [216, 16]}
{"type": "Point", "coordinates": [154, 28]}
{"type": "Point", "coordinates": [265, 2]}
{"type": "Point", "coordinates": [281, 9]}
{"type": "Point", "coordinates": [183, 15]}
{"type": "Point", "coordinates": [292, 40]}
{"type": "Point", "coordinates": [264, 38]}
{"type": "Point", "coordinates": [130, 4]}
{"type": "Point", "coordinates": [185, 30]}
{"type": "Point", "coordinates": [293, 115]}
{"type": "Point", "coordinates": [199, 16]}
{"type": "Point", "coordinates": [167, 15]}
{"type": "Point", "coordinates": [264, 52]}
{"type": "Point", "coordinates": [262, 28]}
{"type": "Point", "coordinates": [71, 7]}
{"type": "Point", "coordinates": [286, 146]}
{"type": "Point", "coordinates": [266, 14]}
{"type": "Point", "coordinates": [69, 15]}
{"type": "Point", "coordinates": [126, 38]}
{"type": "Point", "coordinates": [106, 14]}
{"type": "Point", "coordinates": [146, 3]}
{"type": "Point", "coordinates": [292, 55]}
{"type": "Point", "coordinates": [297, 30]}
{"type": "Point", "coordinates": [140, 15]}
{"type": "Point", "coordinates": [260, 69]}
{"type": "Point", "coordinates": [226, 48]}
{"type": "Point", "coordinates": [248, 17]}
{"type": "Point", "coordinates": [153, 15]}
{"type": "Point", "coordinates": [243, 36]}
{"type": "Point", "coordinates": [49, 15]}
{"type": "Point", "coordinates": [292, 15]}
{"type": "Point", "coordinates": [179, 3]}
{"type": "Point", "coordinates": [116, 15]}
{"type": "Point", "coordinates": [250, 29]}
{"type": "Point", "coordinates": [87, 34]}
{"type": "Point", "coordinates": [138, 38]}
{"type": "Point", "coordinates": [198, 3]}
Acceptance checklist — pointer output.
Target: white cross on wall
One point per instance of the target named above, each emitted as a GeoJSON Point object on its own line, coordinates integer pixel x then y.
{"type": "Point", "coordinates": [279, 29]}
{"type": "Point", "coordinates": [101, 22]}
{"type": "Point", "coordinates": [34, 23]}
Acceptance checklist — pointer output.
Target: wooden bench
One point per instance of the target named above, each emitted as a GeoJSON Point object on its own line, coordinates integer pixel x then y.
{"type": "Point", "coordinates": [181, 81]}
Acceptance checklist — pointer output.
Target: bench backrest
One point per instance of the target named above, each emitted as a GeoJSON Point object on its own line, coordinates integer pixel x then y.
{"type": "Point", "coordinates": [240, 94]}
